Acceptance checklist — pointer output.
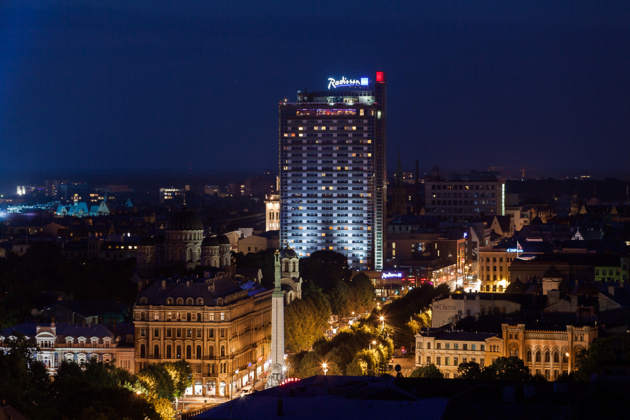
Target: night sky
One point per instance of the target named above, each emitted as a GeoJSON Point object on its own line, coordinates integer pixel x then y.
{"type": "Point", "coordinates": [135, 85]}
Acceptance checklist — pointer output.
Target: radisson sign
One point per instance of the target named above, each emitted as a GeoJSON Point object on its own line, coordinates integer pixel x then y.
{"type": "Point", "coordinates": [343, 82]}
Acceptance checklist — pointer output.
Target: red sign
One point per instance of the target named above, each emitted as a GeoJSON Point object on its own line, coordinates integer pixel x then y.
{"type": "Point", "coordinates": [380, 76]}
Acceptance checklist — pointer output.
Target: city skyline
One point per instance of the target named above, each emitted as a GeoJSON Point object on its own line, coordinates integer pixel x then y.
{"type": "Point", "coordinates": [94, 87]}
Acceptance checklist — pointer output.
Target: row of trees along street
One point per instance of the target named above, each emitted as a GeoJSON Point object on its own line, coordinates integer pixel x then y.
{"type": "Point", "coordinates": [367, 346]}
{"type": "Point", "coordinates": [94, 390]}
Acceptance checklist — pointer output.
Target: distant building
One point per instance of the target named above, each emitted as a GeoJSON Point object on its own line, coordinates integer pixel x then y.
{"type": "Point", "coordinates": [76, 343]}
{"type": "Point", "coordinates": [451, 309]}
{"type": "Point", "coordinates": [183, 243]}
{"type": "Point", "coordinates": [168, 195]}
{"type": "Point", "coordinates": [220, 327]}
{"type": "Point", "coordinates": [465, 197]}
{"type": "Point", "coordinates": [272, 212]}
{"type": "Point", "coordinates": [447, 349]}
{"type": "Point", "coordinates": [548, 352]}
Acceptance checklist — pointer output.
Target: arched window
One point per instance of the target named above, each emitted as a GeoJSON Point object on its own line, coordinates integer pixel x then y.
{"type": "Point", "coordinates": [565, 358]}
{"type": "Point", "coordinates": [286, 266]}
{"type": "Point", "coordinates": [189, 301]}
{"type": "Point", "coordinates": [179, 352]}
{"type": "Point", "coordinates": [199, 301]}
{"type": "Point", "coordinates": [211, 352]}
{"type": "Point", "coordinates": [428, 346]}
{"type": "Point", "coordinates": [189, 252]}
{"type": "Point", "coordinates": [143, 300]}
{"type": "Point", "coordinates": [556, 357]}
{"type": "Point", "coordinates": [188, 352]}
{"type": "Point", "coordinates": [222, 351]}
{"type": "Point", "coordinates": [198, 352]}
{"type": "Point", "coordinates": [168, 351]}
{"type": "Point", "coordinates": [180, 301]}
{"type": "Point", "coordinates": [529, 356]}
{"type": "Point", "coordinates": [169, 301]}
{"type": "Point", "coordinates": [547, 358]}
{"type": "Point", "coordinates": [538, 356]}
{"type": "Point", "coordinates": [143, 351]}
{"type": "Point", "coordinates": [156, 351]}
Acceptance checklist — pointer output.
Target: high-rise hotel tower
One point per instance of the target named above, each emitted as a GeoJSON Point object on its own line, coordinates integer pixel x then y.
{"type": "Point", "coordinates": [332, 170]}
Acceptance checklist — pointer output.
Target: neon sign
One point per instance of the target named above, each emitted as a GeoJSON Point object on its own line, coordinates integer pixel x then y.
{"type": "Point", "coordinates": [513, 250]}
{"type": "Point", "coordinates": [343, 82]}
{"type": "Point", "coordinates": [391, 275]}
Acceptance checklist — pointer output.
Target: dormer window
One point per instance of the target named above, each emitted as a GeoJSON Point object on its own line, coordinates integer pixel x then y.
{"type": "Point", "coordinates": [82, 340]}
{"type": "Point", "coordinates": [143, 300]}
{"type": "Point", "coordinates": [94, 340]}
{"type": "Point", "coordinates": [199, 301]}
{"type": "Point", "coordinates": [180, 301]}
{"type": "Point", "coordinates": [189, 301]}
{"type": "Point", "coordinates": [169, 301]}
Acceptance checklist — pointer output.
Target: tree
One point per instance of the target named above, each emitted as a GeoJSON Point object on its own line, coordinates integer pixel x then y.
{"type": "Point", "coordinates": [510, 369]}
{"type": "Point", "coordinates": [325, 268]}
{"type": "Point", "coordinates": [24, 382]}
{"type": "Point", "coordinates": [429, 371]}
{"type": "Point", "coordinates": [603, 351]}
{"type": "Point", "coordinates": [470, 370]}
{"type": "Point", "coordinates": [363, 293]}
{"type": "Point", "coordinates": [302, 326]}
{"type": "Point", "coordinates": [357, 367]}
{"type": "Point", "coordinates": [96, 390]}
{"type": "Point", "coordinates": [339, 297]}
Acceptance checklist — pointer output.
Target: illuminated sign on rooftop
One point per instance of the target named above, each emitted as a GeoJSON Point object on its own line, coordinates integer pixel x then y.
{"type": "Point", "coordinates": [391, 275]}
{"type": "Point", "coordinates": [343, 82]}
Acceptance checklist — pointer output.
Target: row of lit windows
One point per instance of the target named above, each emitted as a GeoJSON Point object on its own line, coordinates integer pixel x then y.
{"type": "Point", "coordinates": [463, 187]}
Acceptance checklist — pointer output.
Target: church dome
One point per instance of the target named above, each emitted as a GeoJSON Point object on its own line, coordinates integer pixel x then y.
{"type": "Point", "coordinates": [223, 240]}
{"type": "Point", "coordinates": [184, 219]}
{"type": "Point", "coordinates": [210, 241]}
{"type": "Point", "coordinates": [287, 252]}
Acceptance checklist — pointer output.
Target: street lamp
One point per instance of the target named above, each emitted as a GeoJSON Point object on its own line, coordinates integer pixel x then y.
{"type": "Point", "coordinates": [373, 343]}
{"type": "Point", "coordinates": [325, 367]}
{"type": "Point", "coordinates": [382, 319]}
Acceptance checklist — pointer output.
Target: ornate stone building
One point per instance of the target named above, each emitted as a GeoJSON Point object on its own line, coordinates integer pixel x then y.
{"type": "Point", "coordinates": [290, 275]}
{"type": "Point", "coordinates": [183, 243]}
{"type": "Point", "coordinates": [76, 343]}
{"type": "Point", "coordinates": [220, 327]}
{"type": "Point", "coordinates": [548, 352]}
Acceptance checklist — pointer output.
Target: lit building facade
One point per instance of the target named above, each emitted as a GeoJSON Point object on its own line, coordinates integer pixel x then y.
{"type": "Point", "coordinates": [546, 352]}
{"type": "Point", "coordinates": [466, 197]}
{"type": "Point", "coordinates": [332, 171]}
{"type": "Point", "coordinates": [56, 343]}
{"type": "Point", "coordinates": [220, 327]}
{"type": "Point", "coordinates": [448, 349]}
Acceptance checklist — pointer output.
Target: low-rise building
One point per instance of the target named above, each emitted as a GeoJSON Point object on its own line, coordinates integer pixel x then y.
{"type": "Point", "coordinates": [76, 343]}
{"type": "Point", "coordinates": [447, 349]}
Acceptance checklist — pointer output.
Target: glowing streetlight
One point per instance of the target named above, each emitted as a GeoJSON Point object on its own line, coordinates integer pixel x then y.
{"type": "Point", "coordinates": [382, 319]}
{"type": "Point", "coordinates": [325, 368]}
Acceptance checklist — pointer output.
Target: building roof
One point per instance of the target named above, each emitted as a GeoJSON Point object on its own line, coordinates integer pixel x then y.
{"type": "Point", "coordinates": [441, 334]}
{"type": "Point", "coordinates": [210, 290]}
{"type": "Point", "coordinates": [184, 219]}
{"type": "Point", "coordinates": [331, 397]}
